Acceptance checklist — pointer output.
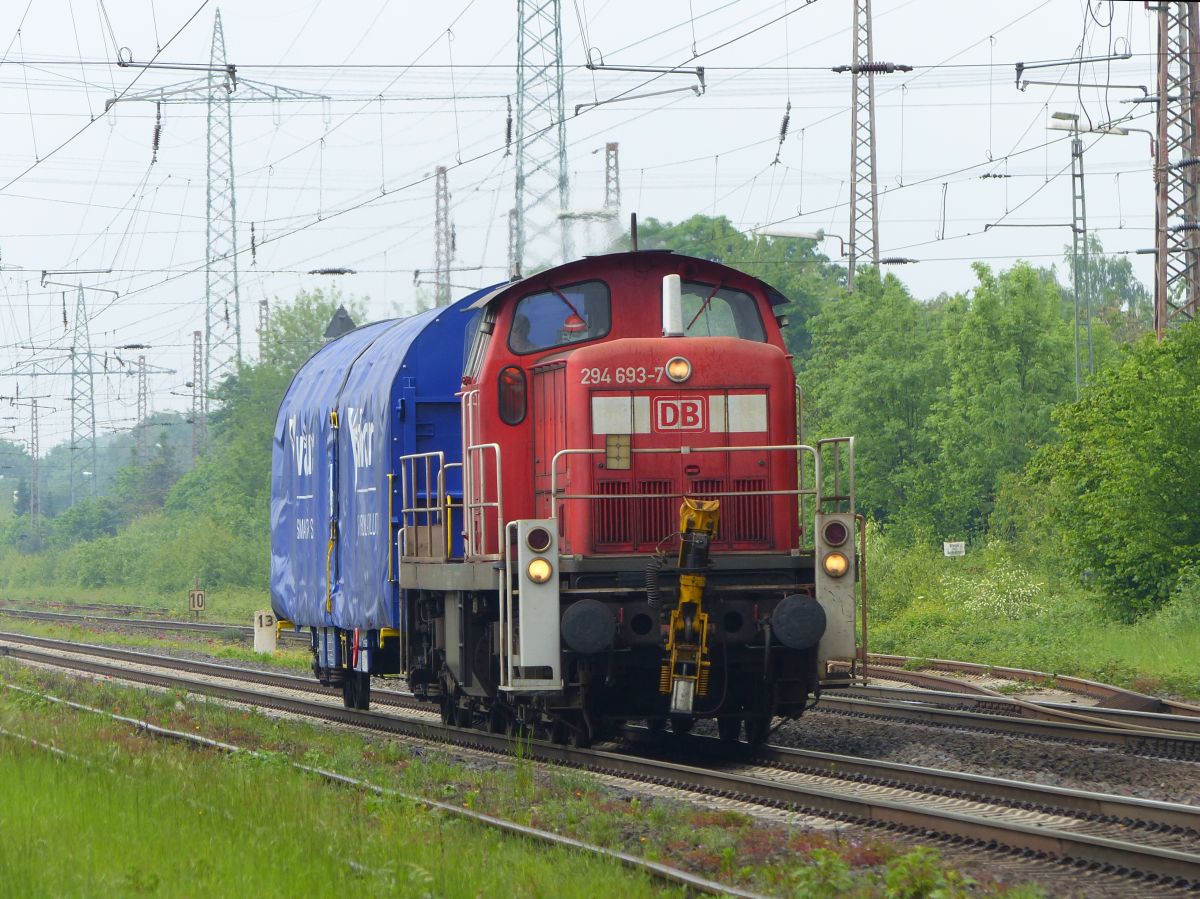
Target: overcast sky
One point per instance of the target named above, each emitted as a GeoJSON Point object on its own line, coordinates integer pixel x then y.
{"type": "Point", "coordinates": [414, 86]}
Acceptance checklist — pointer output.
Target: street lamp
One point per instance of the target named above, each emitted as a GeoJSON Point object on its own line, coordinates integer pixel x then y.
{"type": "Point", "coordinates": [796, 234]}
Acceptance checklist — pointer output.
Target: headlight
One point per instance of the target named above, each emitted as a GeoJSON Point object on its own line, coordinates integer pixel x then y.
{"type": "Point", "coordinates": [835, 564]}
{"type": "Point", "coordinates": [679, 369]}
{"type": "Point", "coordinates": [539, 571]}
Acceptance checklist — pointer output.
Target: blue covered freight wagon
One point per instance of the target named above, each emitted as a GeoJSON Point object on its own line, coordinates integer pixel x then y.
{"type": "Point", "coordinates": [382, 391]}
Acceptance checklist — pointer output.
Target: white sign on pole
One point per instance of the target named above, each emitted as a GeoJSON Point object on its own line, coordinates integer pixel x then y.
{"type": "Point", "coordinates": [954, 548]}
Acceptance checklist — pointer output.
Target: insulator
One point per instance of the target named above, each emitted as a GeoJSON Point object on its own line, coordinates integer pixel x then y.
{"type": "Point", "coordinates": [508, 130]}
{"type": "Point", "coordinates": [157, 132]}
{"type": "Point", "coordinates": [874, 68]}
{"type": "Point", "coordinates": [783, 128]}
{"type": "Point", "coordinates": [253, 246]}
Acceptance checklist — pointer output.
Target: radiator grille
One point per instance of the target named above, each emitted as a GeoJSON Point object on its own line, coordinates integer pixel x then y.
{"type": "Point", "coordinates": [618, 520]}
{"type": "Point", "coordinates": [660, 517]}
{"type": "Point", "coordinates": [612, 518]}
{"type": "Point", "coordinates": [749, 518]}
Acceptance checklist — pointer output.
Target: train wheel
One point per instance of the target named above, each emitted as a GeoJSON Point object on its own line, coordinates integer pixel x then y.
{"type": "Point", "coordinates": [449, 706]}
{"type": "Point", "coordinates": [463, 716]}
{"type": "Point", "coordinates": [495, 718]}
{"type": "Point", "coordinates": [362, 690]}
{"type": "Point", "coordinates": [559, 731]}
{"type": "Point", "coordinates": [656, 725]}
{"type": "Point", "coordinates": [578, 737]}
{"type": "Point", "coordinates": [758, 727]}
{"type": "Point", "coordinates": [682, 724]}
{"type": "Point", "coordinates": [729, 729]}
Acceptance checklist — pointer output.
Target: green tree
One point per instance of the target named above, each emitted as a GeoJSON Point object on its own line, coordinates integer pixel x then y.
{"type": "Point", "coordinates": [1122, 480]}
{"type": "Point", "coordinates": [875, 370]}
{"type": "Point", "coordinates": [1009, 357]}
{"type": "Point", "coordinates": [1119, 300]}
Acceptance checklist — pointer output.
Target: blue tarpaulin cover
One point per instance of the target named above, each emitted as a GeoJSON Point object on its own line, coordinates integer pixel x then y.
{"type": "Point", "coordinates": [392, 385]}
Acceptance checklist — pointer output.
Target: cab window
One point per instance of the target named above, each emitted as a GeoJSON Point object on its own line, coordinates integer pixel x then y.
{"type": "Point", "coordinates": [710, 310]}
{"type": "Point", "coordinates": [560, 317]}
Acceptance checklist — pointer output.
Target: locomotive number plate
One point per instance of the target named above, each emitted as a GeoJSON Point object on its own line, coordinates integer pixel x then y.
{"type": "Point", "coordinates": [623, 374]}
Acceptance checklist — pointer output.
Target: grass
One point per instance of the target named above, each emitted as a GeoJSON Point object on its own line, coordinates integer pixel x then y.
{"type": "Point", "coordinates": [992, 609]}
{"type": "Point", "coordinates": [233, 650]}
{"type": "Point", "coordinates": [236, 606]}
{"type": "Point", "coordinates": [176, 821]}
{"type": "Point", "coordinates": [172, 822]}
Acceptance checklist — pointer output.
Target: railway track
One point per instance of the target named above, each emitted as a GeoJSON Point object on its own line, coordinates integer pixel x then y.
{"type": "Point", "coordinates": [158, 624]}
{"type": "Point", "coordinates": [1137, 740]}
{"type": "Point", "coordinates": [1148, 841]}
{"type": "Point", "coordinates": [991, 703]}
{"type": "Point", "coordinates": [920, 672]}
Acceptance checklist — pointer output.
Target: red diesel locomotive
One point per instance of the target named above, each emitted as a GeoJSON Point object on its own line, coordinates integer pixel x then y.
{"type": "Point", "coordinates": [620, 522]}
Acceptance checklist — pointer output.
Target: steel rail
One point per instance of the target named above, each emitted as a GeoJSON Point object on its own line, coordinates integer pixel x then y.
{"type": "Point", "coordinates": [1156, 742]}
{"type": "Point", "coordinates": [657, 870]}
{"type": "Point", "coordinates": [1041, 709]}
{"type": "Point", "coordinates": [164, 624]}
{"type": "Point", "coordinates": [1115, 855]}
{"type": "Point", "coordinates": [1119, 696]}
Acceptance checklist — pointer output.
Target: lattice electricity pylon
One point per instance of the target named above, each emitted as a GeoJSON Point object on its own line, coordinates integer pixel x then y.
{"type": "Point", "coordinates": [442, 239]}
{"type": "Point", "coordinates": [199, 407]}
{"type": "Point", "coordinates": [514, 261]}
{"type": "Point", "coordinates": [83, 402]}
{"type": "Point", "coordinates": [216, 89]}
{"type": "Point", "coordinates": [1177, 167]}
{"type": "Point", "coordinates": [543, 236]}
{"type": "Point", "coordinates": [35, 475]}
{"type": "Point", "coordinates": [1079, 256]}
{"type": "Point", "coordinates": [612, 179]}
{"type": "Point", "coordinates": [864, 225]}
{"type": "Point", "coordinates": [143, 442]}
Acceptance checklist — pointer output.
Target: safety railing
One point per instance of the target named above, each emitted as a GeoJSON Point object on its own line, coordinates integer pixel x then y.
{"type": "Point", "coordinates": [422, 506]}
{"type": "Point", "coordinates": [802, 451]}
{"type": "Point", "coordinates": [478, 509]}
{"type": "Point", "coordinates": [833, 480]}
{"type": "Point", "coordinates": [810, 498]}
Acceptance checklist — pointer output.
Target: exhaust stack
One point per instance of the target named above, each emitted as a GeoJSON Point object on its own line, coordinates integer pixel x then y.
{"type": "Point", "coordinates": [672, 306]}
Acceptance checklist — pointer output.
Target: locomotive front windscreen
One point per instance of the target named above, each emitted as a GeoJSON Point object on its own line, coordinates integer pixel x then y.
{"type": "Point", "coordinates": [710, 310]}
{"type": "Point", "coordinates": [561, 316]}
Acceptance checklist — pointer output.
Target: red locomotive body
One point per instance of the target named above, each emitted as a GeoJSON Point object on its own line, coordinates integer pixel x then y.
{"type": "Point", "coordinates": [605, 391]}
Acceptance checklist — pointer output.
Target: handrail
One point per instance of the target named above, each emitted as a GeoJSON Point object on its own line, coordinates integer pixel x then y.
{"type": "Point", "coordinates": [506, 608]}
{"type": "Point", "coordinates": [798, 448]}
{"type": "Point", "coordinates": [475, 505]}
{"type": "Point", "coordinates": [411, 508]}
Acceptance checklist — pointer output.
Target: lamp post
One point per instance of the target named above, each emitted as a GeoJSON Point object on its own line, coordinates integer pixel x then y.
{"type": "Point", "coordinates": [796, 234]}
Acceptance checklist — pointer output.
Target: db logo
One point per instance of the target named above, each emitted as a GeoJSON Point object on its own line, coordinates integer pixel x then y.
{"type": "Point", "coordinates": [679, 415]}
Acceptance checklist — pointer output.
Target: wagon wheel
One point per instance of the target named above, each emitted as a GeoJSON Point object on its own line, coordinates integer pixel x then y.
{"type": "Point", "coordinates": [729, 729]}
{"type": "Point", "coordinates": [682, 724]}
{"type": "Point", "coordinates": [758, 728]}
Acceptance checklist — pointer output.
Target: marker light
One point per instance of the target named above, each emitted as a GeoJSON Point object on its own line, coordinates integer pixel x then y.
{"type": "Point", "coordinates": [679, 369]}
{"type": "Point", "coordinates": [835, 564]}
{"type": "Point", "coordinates": [538, 539]}
{"type": "Point", "coordinates": [539, 571]}
{"type": "Point", "coordinates": [835, 533]}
